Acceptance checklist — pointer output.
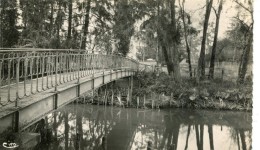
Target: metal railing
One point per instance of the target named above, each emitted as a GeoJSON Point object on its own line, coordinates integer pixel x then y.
{"type": "Point", "coordinates": [147, 68]}
{"type": "Point", "coordinates": [24, 72]}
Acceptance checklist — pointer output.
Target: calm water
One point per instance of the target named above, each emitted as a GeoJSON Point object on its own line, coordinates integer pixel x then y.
{"type": "Point", "coordinates": [82, 126]}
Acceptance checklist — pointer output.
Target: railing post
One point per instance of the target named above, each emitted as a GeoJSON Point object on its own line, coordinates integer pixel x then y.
{"type": "Point", "coordinates": [78, 67]}
{"type": "Point", "coordinates": [31, 73]}
{"type": "Point", "coordinates": [56, 71]}
{"type": "Point", "coordinates": [37, 74]}
{"type": "Point", "coordinates": [17, 82]}
{"type": "Point", "coordinates": [9, 80]}
{"type": "Point", "coordinates": [78, 83]}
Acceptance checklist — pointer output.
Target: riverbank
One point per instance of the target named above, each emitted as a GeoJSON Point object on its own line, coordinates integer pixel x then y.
{"type": "Point", "coordinates": [152, 91]}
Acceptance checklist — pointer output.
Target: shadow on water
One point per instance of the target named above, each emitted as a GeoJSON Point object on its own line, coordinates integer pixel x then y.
{"type": "Point", "coordinates": [82, 126]}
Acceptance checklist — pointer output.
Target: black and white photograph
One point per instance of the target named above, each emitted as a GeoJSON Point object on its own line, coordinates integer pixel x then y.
{"type": "Point", "coordinates": [129, 75]}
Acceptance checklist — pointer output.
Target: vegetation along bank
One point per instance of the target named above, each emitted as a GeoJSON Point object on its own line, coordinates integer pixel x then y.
{"type": "Point", "coordinates": [163, 91]}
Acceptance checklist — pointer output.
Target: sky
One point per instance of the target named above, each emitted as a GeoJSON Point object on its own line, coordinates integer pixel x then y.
{"type": "Point", "coordinates": [197, 9]}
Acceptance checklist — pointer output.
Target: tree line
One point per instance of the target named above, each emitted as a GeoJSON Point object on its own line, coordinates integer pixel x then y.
{"type": "Point", "coordinates": [109, 26]}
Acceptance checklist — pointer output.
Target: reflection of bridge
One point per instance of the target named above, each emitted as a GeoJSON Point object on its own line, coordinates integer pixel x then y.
{"type": "Point", "coordinates": [35, 82]}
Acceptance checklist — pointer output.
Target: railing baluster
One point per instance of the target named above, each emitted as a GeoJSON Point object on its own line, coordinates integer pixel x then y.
{"type": "Point", "coordinates": [55, 69]}
{"type": "Point", "coordinates": [9, 80]}
{"type": "Point", "coordinates": [17, 81]}
{"type": "Point", "coordinates": [37, 74]}
{"type": "Point", "coordinates": [31, 74]}
{"type": "Point", "coordinates": [25, 75]}
{"type": "Point", "coordinates": [60, 67]}
{"type": "Point", "coordinates": [52, 69]}
{"type": "Point", "coordinates": [70, 63]}
{"type": "Point", "coordinates": [47, 71]}
{"type": "Point", "coordinates": [42, 71]}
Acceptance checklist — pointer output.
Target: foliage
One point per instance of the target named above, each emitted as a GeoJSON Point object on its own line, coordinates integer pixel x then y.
{"type": "Point", "coordinates": [214, 94]}
{"type": "Point", "coordinates": [9, 34]}
{"type": "Point", "coordinates": [125, 15]}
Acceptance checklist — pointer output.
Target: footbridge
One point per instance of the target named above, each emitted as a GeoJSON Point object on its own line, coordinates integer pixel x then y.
{"type": "Point", "coordinates": [35, 82]}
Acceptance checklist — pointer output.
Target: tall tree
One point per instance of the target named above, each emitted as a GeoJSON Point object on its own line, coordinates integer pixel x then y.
{"type": "Point", "coordinates": [103, 30]}
{"type": "Point", "coordinates": [201, 62]}
{"type": "Point", "coordinates": [9, 34]}
{"type": "Point", "coordinates": [70, 18]}
{"type": "Point", "coordinates": [248, 37]}
{"type": "Point", "coordinates": [163, 21]}
{"type": "Point", "coordinates": [51, 18]}
{"type": "Point", "coordinates": [126, 13]}
{"type": "Point", "coordinates": [86, 23]}
{"type": "Point", "coordinates": [34, 27]}
{"type": "Point", "coordinates": [183, 14]}
{"type": "Point", "coordinates": [214, 47]}
{"type": "Point", "coordinates": [123, 28]}
{"type": "Point", "coordinates": [175, 50]}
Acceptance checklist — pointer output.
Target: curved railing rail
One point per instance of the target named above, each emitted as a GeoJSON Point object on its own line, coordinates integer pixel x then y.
{"type": "Point", "coordinates": [24, 72]}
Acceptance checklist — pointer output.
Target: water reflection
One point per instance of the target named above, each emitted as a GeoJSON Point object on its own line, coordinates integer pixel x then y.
{"type": "Point", "coordinates": [97, 127]}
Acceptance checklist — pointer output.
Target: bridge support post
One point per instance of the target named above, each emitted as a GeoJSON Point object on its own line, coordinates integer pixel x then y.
{"type": "Point", "coordinates": [16, 121]}
{"type": "Point", "coordinates": [112, 95]}
{"type": "Point", "coordinates": [131, 82]}
{"type": "Point", "coordinates": [93, 88]}
{"type": "Point", "coordinates": [78, 90]}
{"type": "Point", "coordinates": [105, 97]}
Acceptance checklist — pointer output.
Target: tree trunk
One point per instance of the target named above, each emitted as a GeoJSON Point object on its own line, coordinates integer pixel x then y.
{"type": "Point", "coordinates": [201, 62]}
{"type": "Point", "coordinates": [186, 37]}
{"type": "Point", "coordinates": [244, 61]}
{"type": "Point", "coordinates": [70, 19]}
{"type": "Point", "coordinates": [214, 47]}
{"type": "Point", "coordinates": [86, 24]}
{"type": "Point", "coordinates": [51, 18]}
{"type": "Point", "coordinates": [167, 60]}
{"type": "Point", "coordinates": [174, 50]}
{"type": "Point", "coordinates": [59, 22]}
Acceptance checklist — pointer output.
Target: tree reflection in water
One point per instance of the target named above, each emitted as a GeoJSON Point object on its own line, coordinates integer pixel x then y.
{"type": "Point", "coordinates": [81, 126]}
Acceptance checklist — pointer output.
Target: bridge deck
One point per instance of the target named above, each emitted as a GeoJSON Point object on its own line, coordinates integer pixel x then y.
{"type": "Point", "coordinates": [37, 85]}
{"type": "Point", "coordinates": [29, 94]}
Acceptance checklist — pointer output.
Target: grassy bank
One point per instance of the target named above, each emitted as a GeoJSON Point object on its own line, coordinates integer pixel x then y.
{"type": "Point", "coordinates": [164, 91]}
{"type": "Point", "coordinates": [151, 91]}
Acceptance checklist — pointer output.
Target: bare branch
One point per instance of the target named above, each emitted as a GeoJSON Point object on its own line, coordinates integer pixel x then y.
{"type": "Point", "coordinates": [241, 5]}
{"type": "Point", "coordinates": [215, 11]}
{"type": "Point", "coordinates": [241, 21]}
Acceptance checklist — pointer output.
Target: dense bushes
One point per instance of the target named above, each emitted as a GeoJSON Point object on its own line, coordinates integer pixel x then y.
{"type": "Point", "coordinates": [214, 94]}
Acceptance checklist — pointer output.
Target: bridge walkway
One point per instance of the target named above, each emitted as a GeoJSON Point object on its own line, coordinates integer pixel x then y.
{"type": "Point", "coordinates": [8, 93]}
{"type": "Point", "coordinates": [30, 93]}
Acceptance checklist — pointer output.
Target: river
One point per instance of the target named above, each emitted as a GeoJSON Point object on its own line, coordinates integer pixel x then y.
{"type": "Point", "coordinates": [84, 126]}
